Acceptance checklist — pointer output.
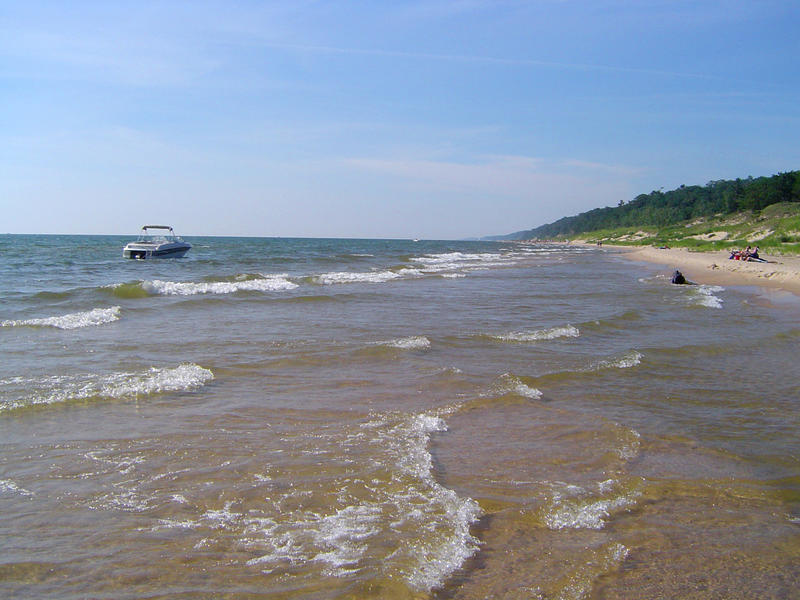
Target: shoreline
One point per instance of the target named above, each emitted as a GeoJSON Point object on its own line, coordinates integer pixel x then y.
{"type": "Point", "coordinates": [716, 268]}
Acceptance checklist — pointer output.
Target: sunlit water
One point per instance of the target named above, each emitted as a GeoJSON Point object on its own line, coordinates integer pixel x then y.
{"type": "Point", "coordinates": [285, 418]}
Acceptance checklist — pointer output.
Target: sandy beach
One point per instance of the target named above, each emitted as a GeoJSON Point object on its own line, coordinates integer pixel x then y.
{"type": "Point", "coordinates": [716, 268]}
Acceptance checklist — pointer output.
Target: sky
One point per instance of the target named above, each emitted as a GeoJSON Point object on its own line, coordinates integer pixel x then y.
{"type": "Point", "coordinates": [440, 119]}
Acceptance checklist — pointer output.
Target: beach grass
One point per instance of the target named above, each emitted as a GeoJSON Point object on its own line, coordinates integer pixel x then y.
{"type": "Point", "coordinates": [775, 229]}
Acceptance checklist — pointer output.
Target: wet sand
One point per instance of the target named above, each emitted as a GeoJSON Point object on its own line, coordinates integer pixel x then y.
{"type": "Point", "coordinates": [716, 268]}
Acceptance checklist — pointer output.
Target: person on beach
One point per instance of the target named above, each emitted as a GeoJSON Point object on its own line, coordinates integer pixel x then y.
{"type": "Point", "coordinates": [678, 278]}
{"type": "Point", "coordinates": [754, 256]}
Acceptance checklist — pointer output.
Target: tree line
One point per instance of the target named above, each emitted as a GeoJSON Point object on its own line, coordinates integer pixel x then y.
{"type": "Point", "coordinates": [660, 209]}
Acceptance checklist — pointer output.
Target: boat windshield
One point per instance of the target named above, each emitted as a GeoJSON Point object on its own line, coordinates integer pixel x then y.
{"type": "Point", "coordinates": [161, 234]}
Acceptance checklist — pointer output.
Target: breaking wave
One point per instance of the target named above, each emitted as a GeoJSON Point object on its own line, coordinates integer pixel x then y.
{"type": "Point", "coordinates": [417, 342]}
{"type": "Point", "coordinates": [511, 384]}
{"type": "Point", "coordinates": [576, 507]}
{"type": "Point", "coordinates": [425, 505]}
{"type": "Point", "coordinates": [266, 283]}
{"type": "Point", "coordinates": [388, 519]}
{"type": "Point", "coordinates": [96, 316]}
{"type": "Point", "coordinates": [352, 277]}
{"type": "Point", "coordinates": [427, 525]}
{"type": "Point", "coordinates": [9, 487]}
{"type": "Point", "coordinates": [20, 392]}
{"type": "Point", "coordinates": [703, 295]}
{"type": "Point", "coordinates": [626, 361]}
{"type": "Point", "coordinates": [538, 335]}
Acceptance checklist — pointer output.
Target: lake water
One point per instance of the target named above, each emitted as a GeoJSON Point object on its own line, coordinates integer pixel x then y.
{"type": "Point", "coordinates": [305, 418]}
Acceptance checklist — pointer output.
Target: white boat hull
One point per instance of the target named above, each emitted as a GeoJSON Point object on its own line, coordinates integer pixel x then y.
{"type": "Point", "coordinates": [140, 251]}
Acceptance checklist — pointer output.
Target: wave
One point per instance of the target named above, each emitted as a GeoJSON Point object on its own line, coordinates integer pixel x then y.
{"type": "Point", "coordinates": [592, 564]}
{"type": "Point", "coordinates": [9, 487]}
{"type": "Point", "coordinates": [425, 505]}
{"type": "Point", "coordinates": [389, 348]}
{"type": "Point", "coordinates": [96, 316]}
{"type": "Point", "coordinates": [703, 295]}
{"type": "Point", "coordinates": [53, 296]}
{"type": "Point", "coordinates": [576, 507]}
{"type": "Point", "coordinates": [21, 392]}
{"type": "Point", "coordinates": [511, 384]}
{"type": "Point", "coordinates": [128, 290]}
{"type": "Point", "coordinates": [538, 335]}
{"type": "Point", "coordinates": [626, 361]}
{"type": "Point", "coordinates": [396, 519]}
{"type": "Point", "coordinates": [263, 283]}
{"type": "Point", "coordinates": [355, 277]}
{"type": "Point", "coordinates": [460, 261]}
{"type": "Point", "coordinates": [385, 517]}
{"type": "Point", "coordinates": [417, 342]}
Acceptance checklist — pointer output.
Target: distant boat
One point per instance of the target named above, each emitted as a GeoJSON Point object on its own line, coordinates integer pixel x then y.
{"type": "Point", "coordinates": [156, 245]}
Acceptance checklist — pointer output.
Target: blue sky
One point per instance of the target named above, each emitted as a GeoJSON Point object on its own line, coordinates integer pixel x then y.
{"type": "Point", "coordinates": [431, 119]}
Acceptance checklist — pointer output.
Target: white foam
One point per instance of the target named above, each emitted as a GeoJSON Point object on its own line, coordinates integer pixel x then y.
{"type": "Point", "coordinates": [508, 383]}
{"type": "Point", "coordinates": [450, 259]}
{"type": "Point", "coordinates": [626, 361]}
{"type": "Point", "coordinates": [122, 465]}
{"type": "Point", "coordinates": [618, 553]}
{"type": "Point", "coordinates": [632, 443]}
{"type": "Point", "coordinates": [390, 518]}
{"type": "Point", "coordinates": [343, 535]}
{"type": "Point", "coordinates": [421, 528]}
{"type": "Point", "coordinates": [460, 261]}
{"type": "Point", "coordinates": [574, 507]}
{"type": "Point", "coordinates": [582, 580]}
{"type": "Point", "coordinates": [539, 335]}
{"type": "Point", "coordinates": [704, 295]}
{"type": "Point", "coordinates": [351, 277]}
{"type": "Point", "coordinates": [222, 518]}
{"type": "Point", "coordinates": [448, 541]}
{"type": "Point", "coordinates": [417, 342]}
{"type": "Point", "coordinates": [174, 524]}
{"type": "Point", "coordinates": [64, 388]}
{"type": "Point", "coordinates": [266, 283]}
{"type": "Point", "coordinates": [9, 487]}
{"type": "Point", "coordinates": [126, 500]}
{"type": "Point", "coordinates": [285, 543]}
{"type": "Point", "coordinates": [96, 316]}
{"type": "Point", "coordinates": [410, 273]}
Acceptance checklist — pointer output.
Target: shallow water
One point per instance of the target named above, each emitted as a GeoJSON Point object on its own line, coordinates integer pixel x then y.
{"type": "Point", "coordinates": [394, 419]}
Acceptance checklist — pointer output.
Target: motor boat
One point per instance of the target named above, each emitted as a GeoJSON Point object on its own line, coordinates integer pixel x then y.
{"type": "Point", "coordinates": [156, 245]}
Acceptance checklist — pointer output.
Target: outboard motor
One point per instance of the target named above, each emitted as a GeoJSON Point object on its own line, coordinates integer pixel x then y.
{"type": "Point", "coordinates": [678, 278]}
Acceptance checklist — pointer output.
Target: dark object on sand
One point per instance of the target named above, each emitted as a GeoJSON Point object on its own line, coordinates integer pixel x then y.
{"type": "Point", "coordinates": [678, 278]}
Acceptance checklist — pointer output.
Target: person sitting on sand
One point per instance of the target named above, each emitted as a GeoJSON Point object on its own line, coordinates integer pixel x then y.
{"type": "Point", "coordinates": [754, 256]}
{"type": "Point", "coordinates": [739, 254]}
